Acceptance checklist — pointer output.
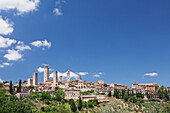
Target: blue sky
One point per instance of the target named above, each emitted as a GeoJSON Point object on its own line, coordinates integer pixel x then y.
{"type": "Point", "coordinates": [118, 41]}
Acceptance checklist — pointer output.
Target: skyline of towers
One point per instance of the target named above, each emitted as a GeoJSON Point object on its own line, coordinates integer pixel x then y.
{"type": "Point", "coordinates": [46, 73]}
{"type": "Point", "coordinates": [68, 76]}
{"type": "Point", "coordinates": [35, 79]}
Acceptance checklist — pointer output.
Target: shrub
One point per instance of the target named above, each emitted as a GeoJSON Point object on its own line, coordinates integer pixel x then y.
{"type": "Point", "coordinates": [133, 99]}
{"type": "Point", "coordinates": [154, 100]}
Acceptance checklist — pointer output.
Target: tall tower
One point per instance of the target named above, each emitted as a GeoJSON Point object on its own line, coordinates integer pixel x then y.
{"type": "Point", "coordinates": [68, 76]}
{"type": "Point", "coordinates": [79, 77]}
{"type": "Point", "coordinates": [35, 79]}
{"type": "Point", "coordinates": [29, 82]}
{"type": "Point", "coordinates": [46, 73]}
{"type": "Point", "coordinates": [61, 78]}
{"type": "Point", "coordinates": [54, 78]}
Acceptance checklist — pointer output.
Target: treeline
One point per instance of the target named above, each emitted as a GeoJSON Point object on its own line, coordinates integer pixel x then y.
{"type": "Point", "coordinates": [128, 95]}
{"type": "Point", "coordinates": [11, 104]}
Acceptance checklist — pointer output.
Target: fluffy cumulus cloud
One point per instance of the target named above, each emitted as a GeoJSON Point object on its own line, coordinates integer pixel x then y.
{"type": "Point", "coordinates": [82, 73]}
{"type": "Point", "coordinates": [22, 47]}
{"type": "Point", "coordinates": [5, 26]}
{"type": "Point", "coordinates": [41, 69]}
{"type": "Point", "coordinates": [5, 64]}
{"type": "Point", "coordinates": [6, 42]}
{"type": "Point", "coordinates": [13, 55]}
{"type": "Point", "coordinates": [97, 75]}
{"type": "Point", "coordinates": [151, 74]}
{"type": "Point", "coordinates": [22, 6]}
{"type": "Point", "coordinates": [72, 75]}
{"type": "Point", "coordinates": [39, 43]}
{"type": "Point", "coordinates": [1, 80]}
{"type": "Point", "coordinates": [57, 11]}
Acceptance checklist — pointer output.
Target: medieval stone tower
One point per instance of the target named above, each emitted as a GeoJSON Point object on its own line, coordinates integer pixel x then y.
{"type": "Point", "coordinates": [35, 79]}
{"type": "Point", "coordinates": [68, 76]}
{"type": "Point", "coordinates": [46, 73]}
{"type": "Point", "coordinates": [54, 78]}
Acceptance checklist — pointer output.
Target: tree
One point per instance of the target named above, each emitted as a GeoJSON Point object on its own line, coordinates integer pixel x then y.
{"type": "Point", "coordinates": [80, 104]}
{"type": "Point", "coordinates": [125, 97]}
{"type": "Point", "coordinates": [105, 85]}
{"type": "Point", "coordinates": [31, 87]}
{"type": "Point", "coordinates": [59, 95]}
{"type": "Point", "coordinates": [156, 86]}
{"type": "Point", "coordinates": [56, 88]}
{"type": "Point", "coordinates": [73, 106]}
{"type": "Point", "coordinates": [133, 99]}
{"type": "Point", "coordinates": [10, 87]}
{"type": "Point", "coordinates": [17, 89]}
{"type": "Point", "coordinates": [110, 94]}
{"type": "Point", "coordinates": [19, 85]}
{"type": "Point", "coordinates": [123, 93]}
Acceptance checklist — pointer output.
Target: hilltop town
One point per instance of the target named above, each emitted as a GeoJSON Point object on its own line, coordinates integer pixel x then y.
{"type": "Point", "coordinates": [56, 95]}
{"type": "Point", "coordinates": [73, 88]}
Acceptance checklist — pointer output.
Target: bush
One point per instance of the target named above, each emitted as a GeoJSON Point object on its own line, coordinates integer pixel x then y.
{"type": "Point", "coordinates": [98, 106]}
{"type": "Point", "coordinates": [90, 104]}
{"type": "Point", "coordinates": [125, 97]}
{"type": "Point", "coordinates": [133, 99]}
{"type": "Point", "coordinates": [154, 100]}
{"type": "Point", "coordinates": [140, 100]}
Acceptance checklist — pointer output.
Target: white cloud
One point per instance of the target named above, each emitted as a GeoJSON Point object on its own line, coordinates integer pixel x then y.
{"type": "Point", "coordinates": [22, 6]}
{"type": "Point", "coordinates": [100, 73]}
{"type": "Point", "coordinates": [151, 74]}
{"type": "Point", "coordinates": [96, 75]}
{"type": "Point", "coordinates": [23, 47]}
{"type": "Point", "coordinates": [41, 43]}
{"type": "Point", "coordinates": [1, 80]}
{"type": "Point", "coordinates": [1, 66]}
{"type": "Point", "coordinates": [7, 64]}
{"type": "Point", "coordinates": [13, 55]}
{"type": "Point", "coordinates": [82, 73]}
{"type": "Point", "coordinates": [41, 69]}
{"type": "Point", "coordinates": [72, 75]}
{"type": "Point", "coordinates": [6, 42]}
{"type": "Point", "coordinates": [57, 11]}
{"type": "Point", "coordinates": [5, 26]}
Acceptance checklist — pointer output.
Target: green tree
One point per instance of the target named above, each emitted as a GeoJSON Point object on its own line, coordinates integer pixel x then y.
{"type": "Point", "coordinates": [125, 97]}
{"type": "Point", "coordinates": [59, 95]}
{"type": "Point", "coordinates": [31, 87]}
{"type": "Point", "coordinates": [123, 93]}
{"type": "Point", "coordinates": [133, 99]}
{"type": "Point", "coordinates": [80, 103]}
{"type": "Point", "coordinates": [10, 87]}
{"type": "Point", "coordinates": [105, 85]}
{"type": "Point", "coordinates": [19, 85]}
{"type": "Point", "coordinates": [73, 106]}
{"type": "Point", "coordinates": [110, 94]}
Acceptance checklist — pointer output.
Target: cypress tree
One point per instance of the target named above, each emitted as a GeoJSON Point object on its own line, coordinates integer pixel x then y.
{"type": "Point", "coordinates": [110, 94]}
{"type": "Point", "coordinates": [80, 104]}
{"type": "Point", "coordinates": [10, 87]}
{"type": "Point", "coordinates": [19, 85]}
{"type": "Point", "coordinates": [73, 106]}
{"type": "Point", "coordinates": [17, 89]}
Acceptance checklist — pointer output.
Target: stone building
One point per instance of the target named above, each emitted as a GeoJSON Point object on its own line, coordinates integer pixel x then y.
{"type": "Point", "coordinates": [55, 78]}
{"type": "Point", "coordinates": [30, 82]}
{"type": "Point", "coordinates": [72, 94]}
{"type": "Point", "coordinates": [35, 79]}
{"type": "Point", "coordinates": [68, 76]}
{"type": "Point", "coordinates": [46, 73]}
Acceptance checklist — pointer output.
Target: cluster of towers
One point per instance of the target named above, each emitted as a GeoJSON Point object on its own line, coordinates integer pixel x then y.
{"type": "Point", "coordinates": [34, 81]}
